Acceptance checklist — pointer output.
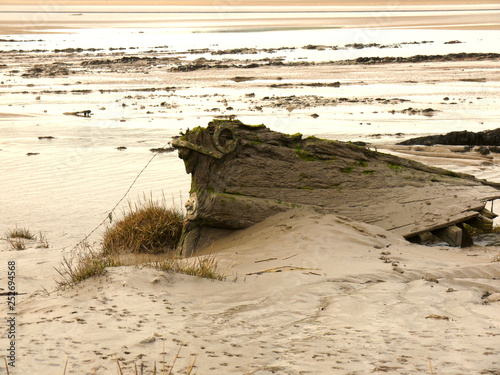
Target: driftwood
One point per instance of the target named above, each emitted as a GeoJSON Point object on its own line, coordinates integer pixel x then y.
{"type": "Point", "coordinates": [243, 174]}
{"type": "Point", "coordinates": [85, 113]}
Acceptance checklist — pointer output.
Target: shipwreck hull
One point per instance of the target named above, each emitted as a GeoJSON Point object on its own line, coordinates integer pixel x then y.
{"type": "Point", "coordinates": [243, 174]}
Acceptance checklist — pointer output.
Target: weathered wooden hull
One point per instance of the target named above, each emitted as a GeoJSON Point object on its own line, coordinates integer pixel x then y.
{"type": "Point", "coordinates": [243, 174]}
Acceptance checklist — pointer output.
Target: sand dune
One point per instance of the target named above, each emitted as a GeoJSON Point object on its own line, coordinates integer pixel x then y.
{"type": "Point", "coordinates": [344, 310]}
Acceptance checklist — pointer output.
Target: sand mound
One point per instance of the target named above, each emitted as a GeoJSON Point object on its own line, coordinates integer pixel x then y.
{"type": "Point", "coordinates": [315, 293]}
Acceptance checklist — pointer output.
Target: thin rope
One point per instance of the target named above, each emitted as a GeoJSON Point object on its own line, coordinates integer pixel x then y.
{"type": "Point", "coordinates": [110, 213]}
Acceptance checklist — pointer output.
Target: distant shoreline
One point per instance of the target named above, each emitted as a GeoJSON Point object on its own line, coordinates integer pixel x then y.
{"type": "Point", "coordinates": [45, 19]}
{"type": "Point", "coordinates": [221, 3]}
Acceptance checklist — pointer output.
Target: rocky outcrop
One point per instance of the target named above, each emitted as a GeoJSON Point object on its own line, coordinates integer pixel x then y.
{"type": "Point", "coordinates": [466, 138]}
{"type": "Point", "coordinates": [242, 174]}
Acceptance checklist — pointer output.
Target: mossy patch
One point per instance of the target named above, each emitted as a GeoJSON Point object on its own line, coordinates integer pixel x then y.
{"type": "Point", "coordinates": [306, 188]}
{"type": "Point", "coordinates": [347, 170]}
{"type": "Point", "coordinates": [256, 141]}
{"type": "Point", "coordinates": [396, 167]}
{"type": "Point", "coordinates": [304, 155]}
{"type": "Point", "coordinates": [452, 174]}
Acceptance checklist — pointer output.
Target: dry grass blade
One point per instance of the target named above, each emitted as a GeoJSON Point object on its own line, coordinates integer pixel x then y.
{"type": "Point", "coordinates": [190, 367]}
{"type": "Point", "coordinates": [163, 359]}
{"type": "Point", "coordinates": [6, 366]}
{"type": "Point", "coordinates": [66, 365]}
{"type": "Point", "coordinates": [43, 241]}
{"type": "Point", "coordinates": [119, 368]}
{"type": "Point", "coordinates": [282, 269]}
{"type": "Point", "coordinates": [175, 359]}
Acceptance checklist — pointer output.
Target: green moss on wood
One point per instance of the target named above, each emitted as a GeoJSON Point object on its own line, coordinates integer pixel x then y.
{"type": "Point", "coordinates": [304, 155]}
{"type": "Point", "coordinates": [347, 170]}
{"type": "Point", "coordinates": [395, 167]}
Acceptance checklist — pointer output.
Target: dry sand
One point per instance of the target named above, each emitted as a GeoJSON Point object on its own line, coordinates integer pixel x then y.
{"type": "Point", "coordinates": [350, 299]}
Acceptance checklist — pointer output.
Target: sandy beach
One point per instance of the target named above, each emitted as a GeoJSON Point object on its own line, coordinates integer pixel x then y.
{"type": "Point", "coordinates": [306, 293]}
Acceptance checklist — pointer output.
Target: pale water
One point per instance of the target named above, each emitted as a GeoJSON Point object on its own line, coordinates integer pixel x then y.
{"type": "Point", "coordinates": [79, 146]}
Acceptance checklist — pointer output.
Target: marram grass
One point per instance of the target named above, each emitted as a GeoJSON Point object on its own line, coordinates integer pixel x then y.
{"type": "Point", "coordinates": [84, 262]}
{"type": "Point", "coordinates": [17, 238]}
{"type": "Point", "coordinates": [147, 227]}
{"type": "Point", "coordinates": [205, 266]}
{"type": "Point", "coordinates": [17, 243]}
{"type": "Point", "coordinates": [20, 233]}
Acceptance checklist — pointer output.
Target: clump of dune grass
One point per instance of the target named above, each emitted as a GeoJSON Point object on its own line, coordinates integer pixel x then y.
{"type": "Point", "coordinates": [147, 227]}
{"type": "Point", "coordinates": [20, 233]}
{"type": "Point", "coordinates": [17, 243]}
{"type": "Point", "coordinates": [16, 237]}
{"type": "Point", "coordinates": [43, 241]}
{"type": "Point", "coordinates": [84, 262]}
{"type": "Point", "coordinates": [204, 266]}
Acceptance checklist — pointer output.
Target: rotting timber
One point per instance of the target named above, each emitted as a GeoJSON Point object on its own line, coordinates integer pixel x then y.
{"type": "Point", "coordinates": [242, 174]}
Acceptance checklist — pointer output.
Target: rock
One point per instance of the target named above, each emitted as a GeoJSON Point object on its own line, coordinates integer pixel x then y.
{"type": "Point", "coordinates": [483, 150]}
{"type": "Point", "coordinates": [242, 79]}
{"type": "Point", "coordinates": [466, 138]}
{"type": "Point", "coordinates": [437, 317]}
{"type": "Point", "coordinates": [242, 174]}
{"type": "Point", "coordinates": [494, 297]}
{"type": "Point", "coordinates": [161, 150]}
{"type": "Point", "coordinates": [47, 70]}
{"type": "Point", "coordinates": [148, 340]}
